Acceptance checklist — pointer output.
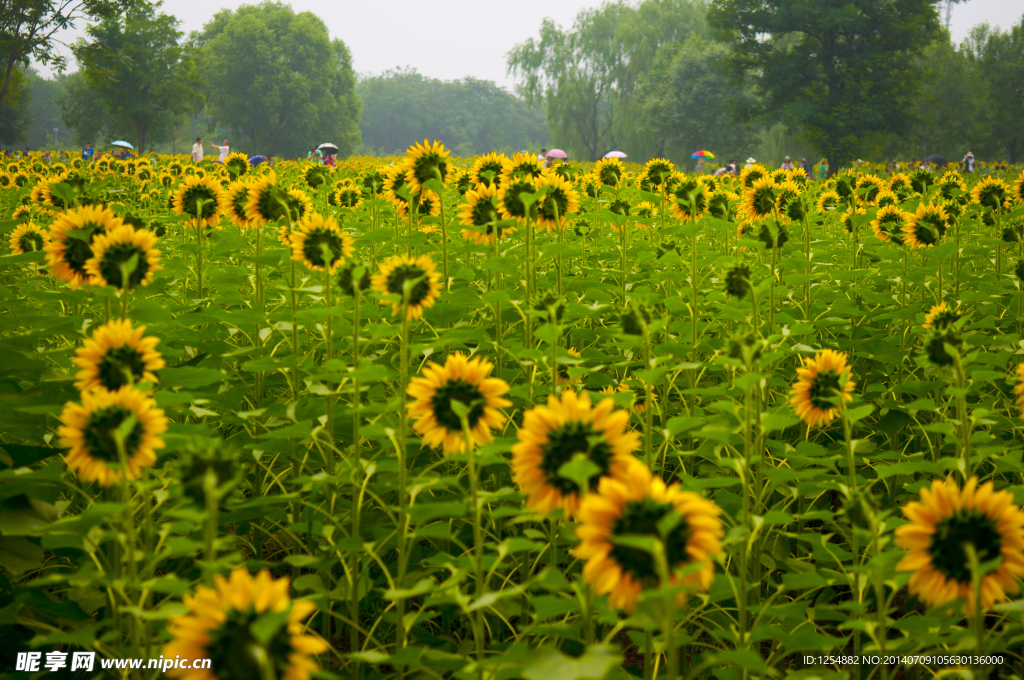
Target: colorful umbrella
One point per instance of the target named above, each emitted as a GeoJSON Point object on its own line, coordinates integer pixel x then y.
{"type": "Point", "coordinates": [615, 154]}
{"type": "Point", "coordinates": [557, 153]}
{"type": "Point", "coordinates": [702, 154]}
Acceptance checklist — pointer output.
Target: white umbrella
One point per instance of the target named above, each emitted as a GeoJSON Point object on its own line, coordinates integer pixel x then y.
{"type": "Point", "coordinates": [122, 143]}
{"type": "Point", "coordinates": [328, 145]}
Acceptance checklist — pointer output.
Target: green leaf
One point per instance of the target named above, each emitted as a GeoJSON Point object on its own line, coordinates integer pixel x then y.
{"type": "Point", "coordinates": [596, 663]}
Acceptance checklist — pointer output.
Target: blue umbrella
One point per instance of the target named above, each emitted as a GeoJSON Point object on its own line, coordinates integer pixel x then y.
{"type": "Point", "coordinates": [123, 143]}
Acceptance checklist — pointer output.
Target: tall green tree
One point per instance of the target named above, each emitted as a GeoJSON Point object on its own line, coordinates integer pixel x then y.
{"type": "Point", "coordinates": [999, 57]}
{"type": "Point", "coordinates": [470, 116]}
{"type": "Point", "coordinates": [136, 69]}
{"type": "Point", "coordinates": [687, 103]}
{"type": "Point", "coordinates": [16, 113]}
{"type": "Point", "coordinates": [29, 29]}
{"type": "Point", "coordinates": [278, 80]}
{"type": "Point", "coordinates": [587, 75]}
{"type": "Point", "coordinates": [843, 71]}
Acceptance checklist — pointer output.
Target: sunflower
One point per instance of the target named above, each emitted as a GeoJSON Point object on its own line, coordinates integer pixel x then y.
{"type": "Point", "coordinates": [315, 239]}
{"type": "Point", "coordinates": [1018, 188]}
{"type": "Point", "coordinates": [373, 182]}
{"type": "Point", "coordinates": [953, 188]}
{"type": "Point", "coordinates": [220, 624]}
{"type": "Point", "coordinates": [886, 199]}
{"type": "Point", "coordinates": [269, 202]}
{"type": "Point", "coordinates": [991, 194]}
{"type": "Point", "coordinates": [946, 518]}
{"type": "Point", "coordinates": [927, 226]}
{"type": "Point", "coordinates": [1018, 389]}
{"type": "Point", "coordinates": [657, 171]}
{"type": "Point", "coordinates": [481, 212]}
{"type": "Point", "coordinates": [738, 281]}
{"type": "Point", "coordinates": [487, 169]}
{"type": "Point", "coordinates": [67, 254]}
{"type": "Point", "coordinates": [464, 380]}
{"type": "Point", "coordinates": [867, 189]}
{"type": "Point", "coordinates": [112, 250]}
{"type": "Point", "coordinates": [348, 195]}
{"type": "Point", "coordinates": [236, 198]}
{"type": "Point", "coordinates": [689, 199]}
{"type": "Point", "coordinates": [6, 181]}
{"type": "Point", "coordinates": [200, 198]}
{"type": "Point", "coordinates": [315, 174]}
{"type": "Point", "coordinates": [940, 317]}
{"type": "Point", "coordinates": [563, 368]}
{"type": "Point", "coordinates": [846, 219]}
{"type": "Point", "coordinates": [645, 210]}
{"type": "Point", "coordinates": [889, 223]}
{"type": "Point", "coordinates": [91, 429]}
{"type": "Point", "coordinates": [899, 184]}
{"type": "Point", "coordinates": [822, 383]}
{"type": "Point", "coordinates": [560, 202]}
{"type": "Point", "coordinates": [639, 393]}
{"type": "Point", "coordinates": [510, 205]}
{"type": "Point", "coordinates": [788, 200]}
{"type": "Point", "coordinates": [424, 284]}
{"type": "Point", "coordinates": [758, 200]}
{"type": "Point", "coordinates": [27, 238]}
{"type": "Point", "coordinates": [21, 179]}
{"type": "Point", "coordinates": [520, 165]}
{"type": "Point", "coordinates": [609, 171]}
{"type": "Point", "coordinates": [425, 162]}
{"type": "Point", "coordinates": [552, 435]}
{"type": "Point", "coordinates": [636, 504]}
{"type": "Point", "coordinates": [117, 355]}
{"type": "Point", "coordinates": [748, 176]}
{"type": "Point", "coordinates": [427, 203]}
{"type": "Point", "coordinates": [394, 180]}
{"type": "Point", "coordinates": [238, 162]}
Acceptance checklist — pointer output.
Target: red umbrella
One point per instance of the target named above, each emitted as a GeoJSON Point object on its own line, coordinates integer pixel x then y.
{"type": "Point", "coordinates": [557, 153]}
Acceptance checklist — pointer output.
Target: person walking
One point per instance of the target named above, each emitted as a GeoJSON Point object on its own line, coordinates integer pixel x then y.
{"type": "Point", "coordinates": [197, 150]}
{"type": "Point", "coordinates": [823, 168]}
{"type": "Point", "coordinates": [223, 149]}
{"type": "Point", "coordinates": [805, 166]}
{"type": "Point", "coordinates": [88, 152]}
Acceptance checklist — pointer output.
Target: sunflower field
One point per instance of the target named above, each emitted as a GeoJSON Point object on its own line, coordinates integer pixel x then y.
{"type": "Point", "coordinates": [429, 417]}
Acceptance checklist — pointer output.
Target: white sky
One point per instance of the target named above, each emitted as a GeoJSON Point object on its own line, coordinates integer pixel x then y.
{"type": "Point", "coordinates": [450, 39]}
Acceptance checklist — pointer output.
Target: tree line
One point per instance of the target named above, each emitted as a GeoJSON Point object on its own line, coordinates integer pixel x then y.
{"type": "Point", "coordinates": [844, 79]}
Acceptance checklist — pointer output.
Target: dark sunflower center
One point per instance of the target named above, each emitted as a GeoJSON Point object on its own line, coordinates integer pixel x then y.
{"type": "Point", "coordinates": [947, 547]}
{"type": "Point", "coordinates": [99, 434]}
{"type": "Point", "coordinates": [513, 203]}
{"type": "Point", "coordinates": [120, 366]}
{"type": "Point", "coordinates": [119, 254]}
{"type": "Point", "coordinates": [764, 201]}
{"type": "Point", "coordinates": [945, 319]}
{"type": "Point", "coordinates": [317, 242]}
{"type": "Point", "coordinates": [461, 391]}
{"type": "Point", "coordinates": [233, 650]}
{"type": "Point", "coordinates": [558, 199]}
{"type": "Point", "coordinates": [409, 272]}
{"type": "Point", "coordinates": [640, 518]}
{"type": "Point", "coordinates": [484, 212]}
{"type": "Point", "coordinates": [348, 198]}
{"type": "Point", "coordinates": [484, 179]}
{"type": "Point", "coordinates": [199, 200]}
{"type": "Point", "coordinates": [825, 390]}
{"type": "Point", "coordinates": [30, 241]}
{"type": "Point", "coordinates": [238, 203]}
{"type": "Point", "coordinates": [430, 166]}
{"type": "Point", "coordinates": [923, 232]}
{"type": "Point", "coordinates": [619, 207]}
{"type": "Point", "coordinates": [77, 251]}
{"type": "Point", "coordinates": [565, 442]}
{"type": "Point", "coordinates": [609, 175]}
{"type": "Point", "coordinates": [269, 204]}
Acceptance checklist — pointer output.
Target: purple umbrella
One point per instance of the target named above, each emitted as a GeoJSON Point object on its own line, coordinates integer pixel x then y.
{"type": "Point", "coordinates": [615, 154]}
{"type": "Point", "coordinates": [557, 153]}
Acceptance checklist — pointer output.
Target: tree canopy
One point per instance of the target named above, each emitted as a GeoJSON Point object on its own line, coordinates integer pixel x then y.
{"type": "Point", "coordinates": [137, 73]}
{"type": "Point", "coordinates": [29, 28]}
{"type": "Point", "coordinates": [587, 75]}
{"type": "Point", "coordinates": [844, 71]}
{"type": "Point", "coordinates": [278, 81]}
{"type": "Point", "coordinates": [470, 116]}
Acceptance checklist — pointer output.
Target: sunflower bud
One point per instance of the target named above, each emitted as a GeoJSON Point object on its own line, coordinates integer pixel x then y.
{"type": "Point", "coordinates": [935, 345]}
{"type": "Point", "coordinates": [635, 320]}
{"type": "Point", "coordinates": [346, 279]}
{"type": "Point", "coordinates": [551, 305]}
{"type": "Point", "coordinates": [737, 281]}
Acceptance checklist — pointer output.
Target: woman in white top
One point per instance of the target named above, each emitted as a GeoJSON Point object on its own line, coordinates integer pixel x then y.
{"type": "Point", "coordinates": [222, 149]}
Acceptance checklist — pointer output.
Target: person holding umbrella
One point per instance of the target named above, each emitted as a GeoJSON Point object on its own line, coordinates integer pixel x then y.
{"type": "Point", "coordinates": [968, 162]}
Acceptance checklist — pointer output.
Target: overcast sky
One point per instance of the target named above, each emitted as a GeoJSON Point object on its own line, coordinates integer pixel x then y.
{"type": "Point", "coordinates": [450, 39]}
